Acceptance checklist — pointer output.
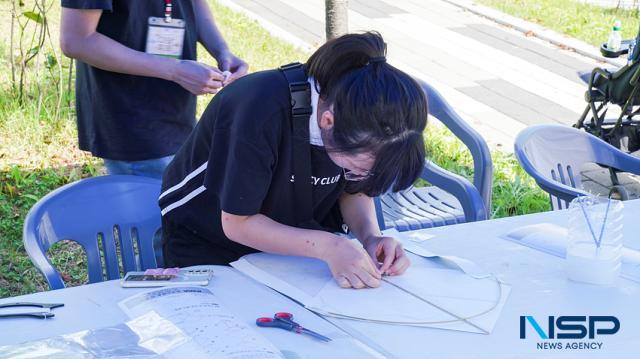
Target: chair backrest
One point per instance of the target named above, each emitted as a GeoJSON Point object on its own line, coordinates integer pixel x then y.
{"type": "Point", "coordinates": [554, 156]}
{"type": "Point", "coordinates": [108, 215]}
{"type": "Point", "coordinates": [482, 163]}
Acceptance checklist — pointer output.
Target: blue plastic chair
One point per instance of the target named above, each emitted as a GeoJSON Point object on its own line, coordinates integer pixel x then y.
{"type": "Point", "coordinates": [99, 206]}
{"type": "Point", "coordinates": [555, 154]}
{"type": "Point", "coordinates": [452, 198]}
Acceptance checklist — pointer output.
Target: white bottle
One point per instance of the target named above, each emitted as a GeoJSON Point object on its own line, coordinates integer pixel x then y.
{"type": "Point", "coordinates": [615, 38]}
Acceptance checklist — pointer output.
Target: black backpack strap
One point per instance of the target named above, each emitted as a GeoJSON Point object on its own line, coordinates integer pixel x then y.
{"type": "Point", "coordinates": [301, 109]}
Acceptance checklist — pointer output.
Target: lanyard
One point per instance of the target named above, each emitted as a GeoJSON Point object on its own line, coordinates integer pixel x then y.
{"type": "Point", "coordinates": [168, 10]}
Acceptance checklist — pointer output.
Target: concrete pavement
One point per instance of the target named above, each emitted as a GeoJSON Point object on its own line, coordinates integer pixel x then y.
{"type": "Point", "coordinates": [497, 78]}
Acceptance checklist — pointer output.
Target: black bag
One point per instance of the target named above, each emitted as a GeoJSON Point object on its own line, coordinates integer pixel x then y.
{"type": "Point", "coordinates": [620, 87]}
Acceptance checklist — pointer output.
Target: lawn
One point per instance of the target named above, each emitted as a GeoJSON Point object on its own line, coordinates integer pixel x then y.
{"type": "Point", "coordinates": [38, 150]}
{"type": "Point", "coordinates": [588, 23]}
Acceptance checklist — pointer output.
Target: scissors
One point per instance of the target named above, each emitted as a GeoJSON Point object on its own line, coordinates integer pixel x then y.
{"type": "Point", "coordinates": [285, 321]}
{"type": "Point", "coordinates": [44, 314]}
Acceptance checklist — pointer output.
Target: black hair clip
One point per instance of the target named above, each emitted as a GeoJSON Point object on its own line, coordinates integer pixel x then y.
{"type": "Point", "coordinates": [377, 59]}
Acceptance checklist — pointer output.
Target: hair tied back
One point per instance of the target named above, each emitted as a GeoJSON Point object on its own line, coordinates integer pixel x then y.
{"type": "Point", "coordinates": [377, 59]}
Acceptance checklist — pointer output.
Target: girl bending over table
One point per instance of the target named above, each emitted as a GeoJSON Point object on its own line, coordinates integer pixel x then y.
{"type": "Point", "coordinates": [231, 189]}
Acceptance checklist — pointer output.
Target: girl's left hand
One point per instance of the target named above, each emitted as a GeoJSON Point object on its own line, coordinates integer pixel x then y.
{"type": "Point", "coordinates": [389, 252]}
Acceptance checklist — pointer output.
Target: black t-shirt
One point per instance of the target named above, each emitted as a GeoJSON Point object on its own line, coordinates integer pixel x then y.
{"type": "Point", "coordinates": [239, 160]}
{"type": "Point", "coordinates": [126, 117]}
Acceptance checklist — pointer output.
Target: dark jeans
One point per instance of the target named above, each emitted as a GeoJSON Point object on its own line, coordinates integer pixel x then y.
{"type": "Point", "coordinates": [153, 168]}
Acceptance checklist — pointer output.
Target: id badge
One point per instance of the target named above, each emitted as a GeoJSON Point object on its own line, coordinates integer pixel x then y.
{"type": "Point", "coordinates": [165, 38]}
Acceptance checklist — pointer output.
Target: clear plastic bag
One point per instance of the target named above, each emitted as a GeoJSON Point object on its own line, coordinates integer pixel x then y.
{"type": "Point", "coordinates": [147, 336]}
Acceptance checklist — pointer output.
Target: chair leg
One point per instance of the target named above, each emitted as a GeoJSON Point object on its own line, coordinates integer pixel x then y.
{"type": "Point", "coordinates": [614, 177]}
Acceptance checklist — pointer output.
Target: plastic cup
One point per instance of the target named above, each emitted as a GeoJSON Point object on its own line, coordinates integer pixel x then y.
{"type": "Point", "coordinates": [594, 250]}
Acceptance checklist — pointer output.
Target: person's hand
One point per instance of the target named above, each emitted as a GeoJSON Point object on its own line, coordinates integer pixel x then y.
{"type": "Point", "coordinates": [233, 64]}
{"type": "Point", "coordinates": [197, 78]}
{"type": "Point", "coordinates": [389, 252]}
{"type": "Point", "coordinates": [350, 265]}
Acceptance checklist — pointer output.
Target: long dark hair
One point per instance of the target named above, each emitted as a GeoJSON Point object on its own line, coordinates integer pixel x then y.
{"type": "Point", "coordinates": [377, 109]}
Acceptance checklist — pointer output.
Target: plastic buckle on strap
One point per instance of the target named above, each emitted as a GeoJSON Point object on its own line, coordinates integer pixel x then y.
{"type": "Point", "coordinates": [300, 98]}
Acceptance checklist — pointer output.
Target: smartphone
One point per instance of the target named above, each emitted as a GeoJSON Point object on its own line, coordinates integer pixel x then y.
{"type": "Point", "coordinates": [142, 277]}
{"type": "Point", "coordinates": [184, 277]}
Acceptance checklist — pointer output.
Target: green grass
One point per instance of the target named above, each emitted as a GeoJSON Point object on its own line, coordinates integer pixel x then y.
{"type": "Point", "coordinates": [514, 191]}
{"type": "Point", "coordinates": [588, 23]}
{"type": "Point", "coordinates": [20, 188]}
{"type": "Point", "coordinates": [38, 147]}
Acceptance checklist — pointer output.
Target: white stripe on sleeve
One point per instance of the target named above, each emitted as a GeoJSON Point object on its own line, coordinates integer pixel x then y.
{"type": "Point", "coordinates": [184, 200]}
{"type": "Point", "coordinates": [191, 175]}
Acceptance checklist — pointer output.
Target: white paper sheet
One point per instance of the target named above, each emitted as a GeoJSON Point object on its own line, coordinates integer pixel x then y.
{"type": "Point", "coordinates": [411, 242]}
{"type": "Point", "coordinates": [195, 310]}
{"type": "Point", "coordinates": [545, 237]}
{"type": "Point", "coordinates": [413, 236]}
{"type": "Point", "coordinates": [479, 300]}
{"type": "Point", "coordinates": [459, 293]}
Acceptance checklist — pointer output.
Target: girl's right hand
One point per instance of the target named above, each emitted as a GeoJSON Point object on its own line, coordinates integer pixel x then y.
{"type": "Point", "coordinates": [351, 266]}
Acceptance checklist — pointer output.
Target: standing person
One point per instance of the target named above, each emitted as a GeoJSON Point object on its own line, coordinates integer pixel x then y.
{"type": "Point", "coordinates": [232, 188]}
{"type": "Point", "coordinates": [137, 78]}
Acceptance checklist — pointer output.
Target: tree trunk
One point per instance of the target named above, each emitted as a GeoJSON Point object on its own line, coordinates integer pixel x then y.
{"type": "Point", "coordinates": [336, 18]}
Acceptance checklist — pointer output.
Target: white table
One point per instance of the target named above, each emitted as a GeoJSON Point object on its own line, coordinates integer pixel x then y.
{"type": "Point", "coordinates": [539, 288]}
{"type": "Point", "coordinates": [96, 305]}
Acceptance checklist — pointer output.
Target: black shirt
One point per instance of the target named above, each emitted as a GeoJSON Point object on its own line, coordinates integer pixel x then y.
{"type": "Point", "coordinates": [126, 117]}
{"type": "Point", "coordinates": [238, 160]}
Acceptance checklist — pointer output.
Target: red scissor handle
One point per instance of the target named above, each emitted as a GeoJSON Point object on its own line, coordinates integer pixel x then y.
{"type": "Point", "coordinates": [283, 315]}
{"type": "Point", "coordinates": [288, 318]}
{"type": "Point", "coordinates": [266, 322]}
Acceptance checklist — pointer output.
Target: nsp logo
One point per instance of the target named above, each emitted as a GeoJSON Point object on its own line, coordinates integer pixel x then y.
{"type": "Point", "coordinates": [572, 327]}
